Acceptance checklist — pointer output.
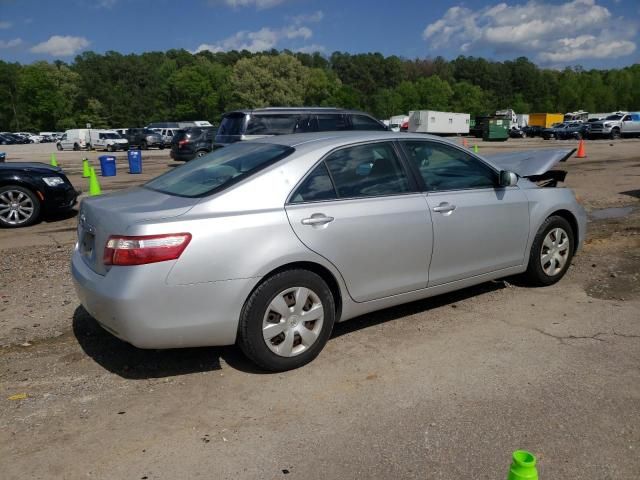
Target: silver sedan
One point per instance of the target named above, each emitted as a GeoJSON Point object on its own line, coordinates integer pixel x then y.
{"type": "Point", "coordinates": [267, 244]}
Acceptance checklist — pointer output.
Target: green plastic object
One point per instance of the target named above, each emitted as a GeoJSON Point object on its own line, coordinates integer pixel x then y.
{"type": "Point", "coordinates": [86, 171]}
{"type": "Point", "coordinates": [523, 466]}
{"type": "Point", "coordinates": [54, 162]}
{"type": "Point", "coordinates": [475, 149]}
{"type": "Point", "coordinates": [94, 184]}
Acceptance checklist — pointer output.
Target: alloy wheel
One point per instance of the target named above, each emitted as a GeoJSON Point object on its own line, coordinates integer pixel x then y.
{"type": "Point", "coordinates": [16, 207]}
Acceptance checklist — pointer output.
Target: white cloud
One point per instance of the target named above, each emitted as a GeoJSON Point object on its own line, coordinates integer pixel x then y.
{"type": "Point", "coordinates": [259, 4]}
{"type": "Point", "coordinates": [16, 42]}
{"type": "Point", "coordinates": [4, 25]}
{"type": "Point", "coordinates": [554, 33]}
{"type": "Point", "coordinates": [264, 39]}
{"type": "Point", "coordinates": [61, 46]}
{"type": "Point", "coordinates": [314, 17]}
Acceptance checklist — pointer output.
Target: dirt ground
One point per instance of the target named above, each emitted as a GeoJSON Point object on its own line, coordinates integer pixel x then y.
{"type": "Point", "coordinates": [442, 388]}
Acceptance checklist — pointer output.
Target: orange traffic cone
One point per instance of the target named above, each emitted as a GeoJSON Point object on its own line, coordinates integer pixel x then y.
{"type": "Point", "coordinates": [581, 152]}
{"type": "Point", "coordinates": [464, 143]}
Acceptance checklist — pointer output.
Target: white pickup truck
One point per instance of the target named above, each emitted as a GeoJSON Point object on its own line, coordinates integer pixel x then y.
{"type": "Point", "coordinates": [620, 124]}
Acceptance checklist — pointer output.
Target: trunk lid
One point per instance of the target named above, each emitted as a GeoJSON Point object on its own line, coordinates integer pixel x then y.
{"type": "Point", "coordinates": [530, 163]}
{"type": "Point", "coordinates": [113, 214]}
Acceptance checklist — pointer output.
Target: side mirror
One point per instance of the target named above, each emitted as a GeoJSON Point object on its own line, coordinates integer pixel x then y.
{"type": "Point", "coordinates": [508, 179]}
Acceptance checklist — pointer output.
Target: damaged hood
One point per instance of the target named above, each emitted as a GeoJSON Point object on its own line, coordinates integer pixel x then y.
{"type": "Point", "coordinates": [530, 162]}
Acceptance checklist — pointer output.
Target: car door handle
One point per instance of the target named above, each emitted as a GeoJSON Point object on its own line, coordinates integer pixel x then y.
{"type": "Point", "coordinates": [317, 219]}
{"type": "Point", "coordinates": [444, 207]}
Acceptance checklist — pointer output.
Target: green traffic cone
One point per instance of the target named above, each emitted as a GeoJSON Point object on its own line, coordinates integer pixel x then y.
{"type": "Point", "coordinates": [54, 162]}
{"type": "Point", "coordinates": [523, 466]}
{"type": "Point", "coordinates": [94, 185]}
{"type": "Point", "coordinates": [475, 148]}
{"type": "Point", "coordinates": [86, 170]}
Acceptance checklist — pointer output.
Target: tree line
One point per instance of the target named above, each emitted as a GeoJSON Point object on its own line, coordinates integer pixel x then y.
{"type": "Point", "coordinates": [116, 90]}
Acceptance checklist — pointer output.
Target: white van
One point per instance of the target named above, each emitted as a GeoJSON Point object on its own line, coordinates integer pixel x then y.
{"type": "Point", "coordinates": [76, 139]}
{"type": "Point", "coordinates": [108, 140]}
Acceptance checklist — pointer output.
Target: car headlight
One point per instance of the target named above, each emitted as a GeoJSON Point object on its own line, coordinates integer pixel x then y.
{"type": "Point", "coordinates": [53, 181]}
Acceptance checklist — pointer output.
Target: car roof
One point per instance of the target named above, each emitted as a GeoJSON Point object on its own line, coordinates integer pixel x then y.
{"type": "Point", "coordinates": [316, 140]}
{"type": "Point", "coordinates": [285, 110]}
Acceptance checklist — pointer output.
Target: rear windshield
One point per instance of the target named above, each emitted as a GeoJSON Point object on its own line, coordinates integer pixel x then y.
{"type": "Point", "coordinates": [232, 124]}
{"type": "Point", "coordinates": [219, 169]}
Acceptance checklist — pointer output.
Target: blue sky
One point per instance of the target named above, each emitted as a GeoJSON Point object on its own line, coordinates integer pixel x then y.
{"type": "Point", "coordinates": [552, 33]}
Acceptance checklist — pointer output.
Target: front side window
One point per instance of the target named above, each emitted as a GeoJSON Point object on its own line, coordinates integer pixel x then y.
{"type": "Point", "coordinates": [362, 122]}
{"type": "Point", "coordinates": [443, 167]}
{"type": "Point", "coordinates": [367, 170]}
{"type": "Point", "coordinates": [219, 169]}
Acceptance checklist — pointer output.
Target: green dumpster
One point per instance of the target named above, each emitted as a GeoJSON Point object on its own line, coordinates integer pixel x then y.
{"type": "Point", "coordinates": [495, 130]}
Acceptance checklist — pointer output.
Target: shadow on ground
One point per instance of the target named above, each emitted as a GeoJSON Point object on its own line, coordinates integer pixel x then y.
{"type": "Point", "coordinates": [130, 362]}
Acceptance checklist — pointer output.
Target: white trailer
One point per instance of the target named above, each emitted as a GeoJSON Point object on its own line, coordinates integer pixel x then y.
{"type": "Point", "coordinates": [439, 123]}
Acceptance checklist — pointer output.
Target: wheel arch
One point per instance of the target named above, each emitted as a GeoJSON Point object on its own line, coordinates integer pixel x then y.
{"type": "Point", "coordinates": [573, 222]}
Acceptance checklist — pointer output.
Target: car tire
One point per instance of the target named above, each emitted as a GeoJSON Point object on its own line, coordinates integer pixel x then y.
{"type": "Point", "coordinates": [28, 213]}
{"type": "Point", "coordinates": [76, 147]}
{"type": "Point", "coordinates": [161, 147]}
{"type": "Point", "coordinates": [59, 147]}
{"type": "Point", "coordinates": [292, 292]}
{"type": "Point", "coordinates": [201, 153]}
{"type": "Point", "coordinates": [550, 256]}
{"type": "Point", "coordinates": [109, 148]}
{"type": "Point", "coordinates": [143, 145]}
{"type": "Point", "coordinates": [615, 134]}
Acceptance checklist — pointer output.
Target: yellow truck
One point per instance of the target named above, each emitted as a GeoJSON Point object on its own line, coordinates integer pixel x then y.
{"type": "Point", "coordinates": [545, 120]}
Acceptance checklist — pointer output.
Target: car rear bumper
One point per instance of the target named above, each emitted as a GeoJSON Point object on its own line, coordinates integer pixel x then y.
{"type": "Point", "coordinates": [182, 156]}
{"type": "Point", "coordinates": [137, 305]}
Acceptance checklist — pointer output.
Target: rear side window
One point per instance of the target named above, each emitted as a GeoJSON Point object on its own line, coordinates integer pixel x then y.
{"type": "Point", "coordinates": [367, 170]}
{"type": "Point", "coordinates": [232, 124]}
{"type": "Point", "coordinates": [363, 122]}
{"type": "Point", "coordinates": [329, 122]}
{"type": "Point", "coordinates": [219, 169]}
{"type": "Point", "coordinates": [272, 124]}
{"type": "Point", "coordinates": [316, 187]}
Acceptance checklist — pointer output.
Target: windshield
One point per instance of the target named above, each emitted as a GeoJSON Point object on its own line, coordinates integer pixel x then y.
{"type": "Point", "coordinates": [112, 136]}
{"type": "Point", "coordinates": [614, 117]}
{"type": "Point", "coordinates": [148, 131]}
{"type": "Point", "coordinates": [219, 169]}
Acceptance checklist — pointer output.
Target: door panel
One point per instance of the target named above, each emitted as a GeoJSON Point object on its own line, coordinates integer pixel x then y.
{"type": "Point", "coordinates": [477, 231]}
{"type": "Point", "coordinates": [381, 246]}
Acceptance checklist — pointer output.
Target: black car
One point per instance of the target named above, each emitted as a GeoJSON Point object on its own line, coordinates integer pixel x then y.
{"type": "Point", "coordinates": [566, 131]}
{"type": "Point", "coordinates": [251, 124]}
{"type": "Point", "coordinates": [192, 142]}
{"type": "Point", "coordinates": [6, 140]}
{"type": "Point", "coordinates": [532, 131]}
{"type": "Point", "coordinates": [30, 190]}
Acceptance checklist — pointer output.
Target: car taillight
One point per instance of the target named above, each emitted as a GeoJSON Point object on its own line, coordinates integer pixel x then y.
{"type": "Point", "coordinates": [182, 142]}
{"type": "Point", "coordinates": [145, 249]}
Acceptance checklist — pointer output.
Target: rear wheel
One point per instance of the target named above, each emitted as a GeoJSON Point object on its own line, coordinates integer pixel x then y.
{"type": "Point", "coordinates": [19, 206]}
{"type": "Point", "coordinates": [143, 145]}
{"type": "Point", "coordinates": [109, 148]}
{"type": "Point", "coordinates": [201, 153]}
{"type": "Point", "coordinates": [551, 252]}
{"type": "Point", "coordinates": [287, 320]}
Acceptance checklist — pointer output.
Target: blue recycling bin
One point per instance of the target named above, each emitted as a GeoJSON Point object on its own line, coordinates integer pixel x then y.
{"type": "Point", "coordinates": [108, 165]}
{"type": "Point", "coordinates": [135, 161]}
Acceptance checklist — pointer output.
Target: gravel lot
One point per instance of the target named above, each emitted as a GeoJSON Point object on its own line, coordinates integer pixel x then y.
{"type": "Point", "coordinates": [442, 388]}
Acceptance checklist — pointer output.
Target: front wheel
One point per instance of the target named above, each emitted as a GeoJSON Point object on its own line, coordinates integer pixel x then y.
{"type": "Point", "coordinates": [76, 147]}
{"type": "Point", "coordinates": [287, 320]}
{"type": "Point", "coordinates": [615, 134]}
{"type": "Point", "coordinates": [551, 252]}
{"type": "Point", "coordinates": [59, 147]}
{"type": "Point", "coordinates": [201, 153]}
{"type": "Point", "coordinates": [19, 207]}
